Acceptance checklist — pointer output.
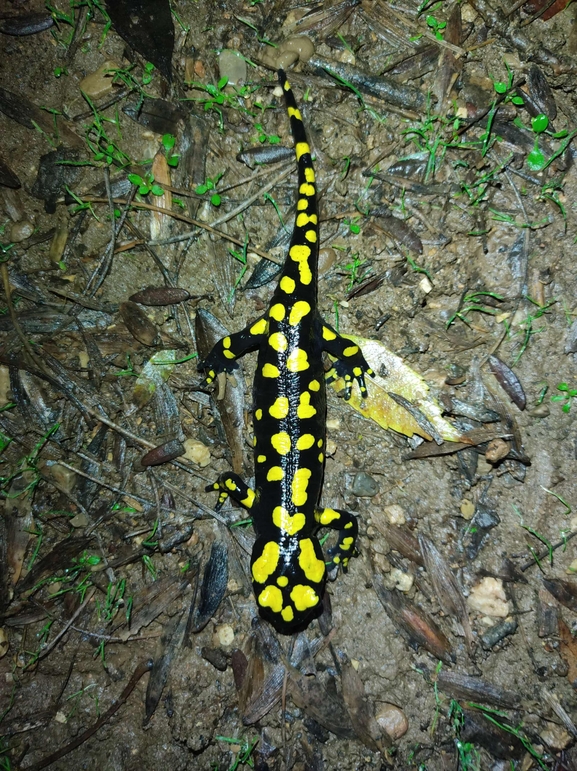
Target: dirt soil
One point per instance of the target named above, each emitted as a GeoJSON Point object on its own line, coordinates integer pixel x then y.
{"type": "Point", "coordinates": [447, 234]}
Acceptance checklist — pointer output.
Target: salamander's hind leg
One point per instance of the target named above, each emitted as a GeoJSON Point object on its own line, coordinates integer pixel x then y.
{"type": "Point", "coordinates": [229, 484]}
{"type": "Point", "coordinates": [350, 364]}
{"type": "Point", "coordinates": [223, 356]}
{"type": "Point", "coordinates": [348, 528]}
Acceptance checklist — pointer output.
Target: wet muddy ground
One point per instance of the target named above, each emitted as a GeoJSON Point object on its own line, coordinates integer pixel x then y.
{"type": "Point", "coordinates": [129, 636]}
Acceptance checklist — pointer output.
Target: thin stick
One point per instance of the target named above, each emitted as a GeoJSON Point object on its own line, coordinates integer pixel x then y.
{"type": "Point", "coordinates": [141, 669]}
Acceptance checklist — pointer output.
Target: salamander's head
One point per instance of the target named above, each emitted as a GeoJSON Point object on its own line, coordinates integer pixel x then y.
{"type": "Point", "coordinates": [288, 579]}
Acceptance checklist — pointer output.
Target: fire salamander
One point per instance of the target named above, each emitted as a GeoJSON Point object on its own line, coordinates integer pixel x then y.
{"type": "Point", "coordinates": [287, 565]}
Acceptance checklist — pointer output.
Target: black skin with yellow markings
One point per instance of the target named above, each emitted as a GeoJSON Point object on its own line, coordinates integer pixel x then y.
{"type": "Point", "coordinates": [287, 565]}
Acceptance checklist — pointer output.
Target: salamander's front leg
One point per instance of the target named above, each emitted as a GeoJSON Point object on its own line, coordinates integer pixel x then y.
{"type": "Point", "coordinates": [229, 484]}
{"type": "Point", "coordinates": [350, 364]}
{"type": "Point", "coordinates": [347, 525]}
{"type": "Point", "coordinates": [223, 356]}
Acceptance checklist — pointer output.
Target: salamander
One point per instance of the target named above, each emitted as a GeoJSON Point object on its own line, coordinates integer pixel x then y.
{"type": "Point", "coordinates": [287, 565]}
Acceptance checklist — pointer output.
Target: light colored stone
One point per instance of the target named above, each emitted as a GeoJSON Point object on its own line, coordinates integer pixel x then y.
{"type": "Point", "coordinates": [488, 598]}
{"type": "Point", "coordinates": [225, 634]}
{"type": "Point", "coordinates": [392, 720]}
{"type": "Point", "coordinates": [197, 452]}
{"type": "Point", "coordinates": [99, 83]}
{"type": "Point", "coordinates": [395, 514]}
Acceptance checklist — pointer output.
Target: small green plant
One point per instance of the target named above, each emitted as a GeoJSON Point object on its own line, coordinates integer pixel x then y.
{"type": "Point", "coordinates": [244, 751]}
{"type": "Point", "coordinates": [437, 26]}
{"type": "Point", "coordinates": [210, 184]}
{"type": "Point", "coordinates": [469, 757]}
{"type": "Point", "coordinates": [146, 184]}
{"type": "Point", "coordinates": [168, 142]}
{"type": "Point", "coordinates": [353, 268]}
{"type": "Point", "coordinates": [352, 225]}
{"type": "Point", "coordinates": [474, 302]}
{"type": "Point", "coordinates": [527, 326]}
{"type": "Point", "coordinates": [536, 159]}
{"type": "Point", "coordinates": [59, 71]}
{"type": "Point", "coordinates": [538, 536]}
{"type": "Point", "coordinates": [129, 371]}
{"type": "Point", "coordinates": [149, 565]}
{"type": "Point", "coordinates": [263, 137]}
{"type": "Point", "coordinates": [242, 257]}
{"type": "Point", "coordinates": [215, 97]}
{"type": "Point", "coordinates": [566, 396]}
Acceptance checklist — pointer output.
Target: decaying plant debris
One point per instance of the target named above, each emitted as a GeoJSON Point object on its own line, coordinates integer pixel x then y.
{"type": "Point", "coordinates": [147, 194]}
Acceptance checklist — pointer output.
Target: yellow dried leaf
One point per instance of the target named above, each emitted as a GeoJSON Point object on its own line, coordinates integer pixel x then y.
{"type": "Point", "coordinates": [393, 375]}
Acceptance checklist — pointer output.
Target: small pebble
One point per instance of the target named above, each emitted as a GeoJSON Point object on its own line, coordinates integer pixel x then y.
{"type": "Point", "coordinates": [3, 642]}
{"type": "Point", "coordinates": [364, 486]}
{"type": "Point", "coordinates": [400, 580]}
{"type": "Point", "coordinates": [488, 598]}
{"type": "Point", "coordinates": [498, 632]}
{"type": "Point", "coordinates": [19, 231]}
{"type": "Point", "coordinates": [497, 449]}
{"type": "Point", "coordinates": [225, 634]}
{"type": "Point", "coordinates": [80, 520]}
{"type": "Point", "coordinates": [392, 720]}
{"type": "Point", "coordinates": [395, 514]}
{"type": "Point", "coordinates": [197, 452]}
{"type": "Point", "coordinates": [232, 65]}
{"type": "Point", "coordinates": [99, 83]}
{"type": "Point", "coordinates": [467, 509]}
{"type": "Point", "coordinates": [4, 386]}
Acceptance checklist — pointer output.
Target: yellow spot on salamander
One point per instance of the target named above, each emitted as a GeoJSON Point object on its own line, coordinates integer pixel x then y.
{"type": "Point", "coordinates": [297, 360]}
{"type": "Point", "coordinates": [280, 408]}
{"type": "Point", "coordinates": [305, 442]}
{"type": "Point", "coordinates": [229, 354]}
{"type": "Point", "coordinates": [347, 542]}
{"type": "Point", "coordinates": [320, 443]}
{"type": "Point", "coordinates": [266, 564]}
{"type": "Point", "coordinates": [261, 459]}
{"type": "Point", "coordinates": [299, 310]}
{"type": "Point", "coordinates": [305, 409]}
{"type": "Point", "coordinates": [310, 174]}
{"type": "Point", "coordinates": [282, 581]}
{"type": "Point", "coordinates": [302, 204]}
{"type": "Point", "coordinates": [271, 597]}
{"type": "Point", "coordinates": [283, 520]}
{"type": "Point", "coordinates": [254, 441]}
{"type": "Point", "coordinates": [327, 516]}
{"type": "Point", "coordinates": [304, 219]}
{"type": "Point", "coordinates": [249, 500]}
{"type": "Point", "coordinates": [258, 414]}
{"type": "Point", "coordinates": [287, 614]}
{"type": "Point", "coordinates": [321, 457]}
{"type": "Point", "coordinates": [281, 442]}
{"type": "Point", "coordinates": [348, 525]}
{"type": "Point", "coordinates": [299, 486]}
{"type": "Point", "coordinates": [351, 350]}
{"type": "Point", "coordinates": [277, 312]}
{"type": "Point", "coordinates": [328, 334]}
{"type": "Point", "coordinates": [301, 148]}
{"type": "Point", "coordinates": [300, 253]}
{"type": "Point", "coordinates": [307, 189]}
{"type": "Point", "coordinates": [357, 371]}
{"type": "Point", "coordinates": [287, 284]}
{"type": "Point", "coordinates": [230, 484]}
{"type": "Point", "coordinates": [294, 113]}
{"type": "Point", "coordinates": [275, 474]}
{"type": "Point", "coordinates": [311, 235]}
{"type": "Point", "coordinates": [226, 341]}
{"type": "Point", "coordinates": [314, 385]}
{"type": "Point", "coordinates": [304, 597]}
{"type": "Point", "coordinates": [278, 342]}
{"type": "Point", "coordinates": [269, 370]}
{"type": "Point", "coordinates": [312, 566]}
{"type": "Point", "coordinates": [259, 327]}
{"type": "Point", "coordinates": [287, 86]}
